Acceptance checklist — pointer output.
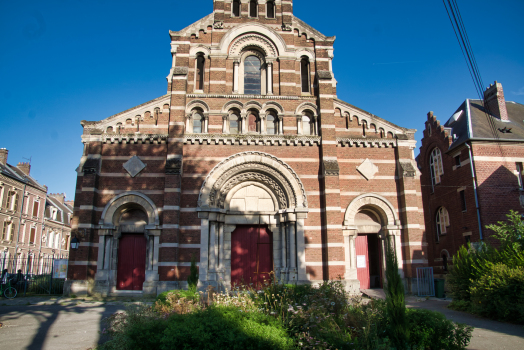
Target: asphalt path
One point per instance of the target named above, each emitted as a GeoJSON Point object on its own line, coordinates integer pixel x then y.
{"type": "Point", "coordinates": [487, 335]}
{"type": "Point", "coordinates": [54, 326]}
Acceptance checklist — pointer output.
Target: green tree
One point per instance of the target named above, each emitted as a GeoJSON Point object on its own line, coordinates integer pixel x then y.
{"type": "Point", "coordinates": [509, 232]}
{"type": "Point", "coordinates": [395, 302]}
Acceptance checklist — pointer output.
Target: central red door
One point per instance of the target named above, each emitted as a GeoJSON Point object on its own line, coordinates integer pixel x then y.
{"type": "Point", "coordinates": [131, 272]}
{"type": "Point", "coordinates": [361, 247]}
{"type": "Point", "coordinates": [251, 255]}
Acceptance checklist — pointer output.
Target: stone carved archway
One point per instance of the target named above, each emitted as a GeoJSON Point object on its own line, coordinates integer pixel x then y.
{"type": "Point", "coordinates": [388, 234]}
{"type": "Point", "coordinates": [110, 232]}
{"type": "Point", "coordinates": [254, 162]}
{"type": "Point", "coordinates": [285, 218]}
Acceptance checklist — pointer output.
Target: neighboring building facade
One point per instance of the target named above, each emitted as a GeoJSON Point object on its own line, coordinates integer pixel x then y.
{"type": "Point", "coordinates": [26, 231]}
{"type": "Point", "coordinates": [471, 173]}
{"type": "Point", "coordinates": [250, 163]}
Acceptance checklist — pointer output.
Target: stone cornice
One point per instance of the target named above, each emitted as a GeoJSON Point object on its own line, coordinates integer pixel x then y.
{"type": "Point", "coordinates": [252, 139]}
{"type": "Point", "coordinates": [357, 142]}
{"type": "Point", "coordinates": [251, 97]}
{"type": "Point", "coordinates": [128, 138]}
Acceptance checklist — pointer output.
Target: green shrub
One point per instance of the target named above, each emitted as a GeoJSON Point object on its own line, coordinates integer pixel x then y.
{"type": "Point", "coordinates": [395, 302]}
{"type": "Point", "coordinates": [138, 328]}
{"type": "Point", "coordinates": [180, 293]}
{"type": "Point", "coordinates": [431, 330]}
{"type": "Point", "coordinates": [499, 294]}
{"type": "Point", "coordinates": [225, 328]}
{"type": "Point", "coordinates": [192, 279]}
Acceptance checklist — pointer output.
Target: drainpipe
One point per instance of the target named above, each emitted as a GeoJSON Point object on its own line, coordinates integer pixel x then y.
{"type": "Point", "coordinates": [475, 189]}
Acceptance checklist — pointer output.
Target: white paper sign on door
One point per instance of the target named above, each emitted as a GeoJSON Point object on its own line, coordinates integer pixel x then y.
{"type": "Point", "coordinates": [361, 261]}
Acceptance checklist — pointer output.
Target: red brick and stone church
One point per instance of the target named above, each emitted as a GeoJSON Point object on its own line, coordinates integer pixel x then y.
{"type": "Point", "coordinates": [250, 163]}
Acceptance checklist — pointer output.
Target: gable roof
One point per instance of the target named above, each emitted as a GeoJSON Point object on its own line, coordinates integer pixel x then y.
{"type": "Point", "coordinates": [471, 122]}
{"type": "Point", "coordinates": [17, 175]}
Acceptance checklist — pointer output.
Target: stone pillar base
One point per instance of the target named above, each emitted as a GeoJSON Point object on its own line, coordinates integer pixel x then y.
{"type": "Point", "coordinates": [150, 288]}
{"type": "Point", "coordinates": [78, 287]}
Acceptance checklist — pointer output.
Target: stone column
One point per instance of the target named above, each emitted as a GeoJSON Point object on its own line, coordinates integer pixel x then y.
{"type": "Point", "coordinates": [315, 125]}
{"type": "Point", "coordinates": [189, 126]}
{"type": "Point", "coordinates": [101, 254]}
{"type": "Point", "coordinates": [301, 247]}
{"type": "Point", "coordinates": [280, 125]}
{"type": "Point", "coordinates": [204, 244]}
{"type": "Point", "coordinates": [155, 254]}
{"type": "Point", "coordinates": [263, 122]}
{"type": "Point", "coordinates": [107, 253]}
{"type": "Point", "coordinates": [299, 125]}
{"type": "Point", "coordinates": [284, 246]}
{"type": "Point", "coordinates": [270, 77]}
{"type": "Point", "coordinates": [206, 123]}
{"type": "Point", "coordinates": [224, 124]}
{"type": "Point", "coordinates": [243, 117]}
{"type": "Point", "coordinates": [236, 64]}
{"type": "Point", "coordinates": [212, 255]}
{"type": "Point", "coordinates": [292, 252]}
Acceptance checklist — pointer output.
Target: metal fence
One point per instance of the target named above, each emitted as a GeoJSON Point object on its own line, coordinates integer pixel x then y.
{"type": "Point", "coordinates": [36, 275]}
{"type": "Point", "coordinates": [425, 282]}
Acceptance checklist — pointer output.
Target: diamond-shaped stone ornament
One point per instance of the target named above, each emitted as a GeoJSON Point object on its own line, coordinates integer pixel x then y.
{"type": "Point", "coordinates": [368, 169]}
{"type": "Point", "coordinates": [134, 166]}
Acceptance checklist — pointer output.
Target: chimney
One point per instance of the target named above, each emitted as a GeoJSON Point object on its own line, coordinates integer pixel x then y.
{"type": "Point", "coordinates": [3, 156]}
{"type": "Point", "coordinates": [495, 102]}
{"type": "Point", "coordinates": [24, 167]}
{"type": "Point", "coordinates": [58, 196]}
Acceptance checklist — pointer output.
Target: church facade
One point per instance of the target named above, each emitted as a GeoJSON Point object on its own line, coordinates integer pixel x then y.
{"type": "Point", "coordinates": [249, 164]}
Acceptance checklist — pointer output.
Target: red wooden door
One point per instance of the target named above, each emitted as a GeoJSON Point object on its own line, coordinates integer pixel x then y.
{"type": "Point", "coordinates": [361, 247]}
{"type": "Point", "coordinates": [251, 255]}
{"type": "Point", "coordinates": [131, 272]}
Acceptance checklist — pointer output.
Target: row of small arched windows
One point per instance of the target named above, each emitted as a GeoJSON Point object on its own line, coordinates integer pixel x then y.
{"type": "Point", "coordinates": [252, 79]}
{"type": "Point", "coordinates": [253, 8]}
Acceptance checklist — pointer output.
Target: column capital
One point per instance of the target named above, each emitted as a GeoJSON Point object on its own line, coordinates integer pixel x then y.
{"type": "Point", "coordinates": [243, 115]}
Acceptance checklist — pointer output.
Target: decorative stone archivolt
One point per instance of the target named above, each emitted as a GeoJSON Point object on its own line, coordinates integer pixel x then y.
{"type": "Point", "coordinates": [232, 104]}
{"type": "Point", "coordinates": [197, 104]}
{"type": "Point", "coordinates": [268, 35]}
{"type": "Point", "coordinates": [199, 48]}
{"type": "Point", "coordinates": [272, 105]}
{"type": "Point", "coordinates": [307, 106]}
{"type": "Point", "coordinates": [253, 40]}
{"type": "Point", "coordinates": [382, 206]}
{"type": "Point", "coordinates": [253, 166]}
{"type": "Point", "coordinates": [132, 198]}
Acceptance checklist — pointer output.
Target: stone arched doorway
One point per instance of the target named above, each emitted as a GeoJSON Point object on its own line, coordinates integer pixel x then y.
{"type": "Point", "coordinates": [252, 208]}
{"type": "Point", "coordinates": [370, 225]}
{"type": "Point", "coordinates": [128, 245]}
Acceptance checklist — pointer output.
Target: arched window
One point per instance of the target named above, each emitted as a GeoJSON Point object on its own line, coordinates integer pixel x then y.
{"type": "Point", "coordinates": [252, 76]}
{"type": "Point", "coordinates": [109, 130]}
{"type": "Point", "coordinates": [200, 68]}
{"type": "Point", "coordinates": [364, 127]}
{"type": "Point", "coordinates": [253, 8]}
{"type": "Point", "coordinates": [236, 8]}
{"type": "Point", "coordinates": [442, 221]}
{"type": "Point", "coordinates": [382, 133]}
{"type": "Point", "coordinates": [253, 124]}
{"type": "Point", "coordinates": [435, 166]}
{"type": "Point", "coordinates": [233, 124]}
{"type": "Point", "coordinates": [270, 9]}
{"type": "Point", "coordinates": [307, 125]}
{"type": "Point", "coordinates": [304, 74]}
{"type": "Point", "coordinates": [271, 125]}
{"type": "Point", "coordinates": [197, 123]}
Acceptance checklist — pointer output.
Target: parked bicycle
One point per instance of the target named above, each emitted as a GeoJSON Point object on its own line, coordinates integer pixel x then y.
{"type": "Point", "coordinates": [6, 289]}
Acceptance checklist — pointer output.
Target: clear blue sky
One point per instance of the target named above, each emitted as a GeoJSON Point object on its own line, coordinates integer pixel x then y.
{"type": "Point", "coordinates": [62, 61]}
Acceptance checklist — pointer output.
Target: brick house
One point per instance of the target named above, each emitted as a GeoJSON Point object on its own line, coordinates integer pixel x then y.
{"type": "Point", "coordinates": [250, 163]}
{"type": "Point", "coordinates": [28, 231]}
{"type": "Point", "coordinates": [471, 173]}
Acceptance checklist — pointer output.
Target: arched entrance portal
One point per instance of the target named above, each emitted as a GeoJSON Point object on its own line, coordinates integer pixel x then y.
{"type": "Point", "coordinates": [252, 208]}
{"type": "Point", "coordinates": [251, 255]}
{"type": "Point", "coordinates": [128, 245]}
{"type": "Point", "coordinates": [370, 227]}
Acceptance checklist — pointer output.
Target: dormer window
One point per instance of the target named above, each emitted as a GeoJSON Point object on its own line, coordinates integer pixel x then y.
{"type": "Point", "coordinates": [270, 9]}
{"type": "Point", "coordinates": [253, 8]}
{"type": "Point", "coordinates": [236, 8]}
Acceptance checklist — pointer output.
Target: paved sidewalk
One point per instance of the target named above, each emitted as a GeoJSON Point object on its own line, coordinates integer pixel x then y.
{"type": "Point", "coordinates": [487, 335]}
{"type": "Point", "coordinates": [54, 323]}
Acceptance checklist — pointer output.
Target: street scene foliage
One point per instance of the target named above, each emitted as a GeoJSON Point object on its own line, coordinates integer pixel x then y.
{"type": "Point", "coordinates": [488, 280]}
{"type": "Point", "coordinates": [284, 316]}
